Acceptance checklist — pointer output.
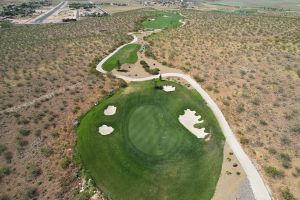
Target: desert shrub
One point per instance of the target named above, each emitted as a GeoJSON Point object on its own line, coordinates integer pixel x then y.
{"type": "Point", "coordinates": [244, 141]}
{"type": "Point", "coordinates": [240, 108]}
{"type": "Point", "coordinates": [286, 164]}
{"type": "Point", "coordinates": [296, 128]}
{"type": "Point", "coordinates": [285, 140]}
{"type": "Point", "coordinates": [34, 171]}
{"type": "Point", "coordinates": [5, 171]}
{"type": "Point", "coordinates": [297, 172]}
{"type": "Point", "coordinates": [286, 194]}
{"type": "Point", "coordinates": [85, 195]}
{"type": "Point", "coordinates": [255, 101]}
{"type": "Point", "coordinates": [47, 151]}
{"type": "Point", "coordinates": [122, 83]}
{"type": "Point", "coordinates": [65, 162]}
{"type": "Point", "coordinates": [298, 72]}
{"type": "Point", "coordinates": [272, 150]}
{"type": "Point", "coordinates": [273, 172]}
{"type": "Point", "coordinates": [145, 65]}
{"type": "Point", "coordinates": [149, 53]}
{"type": "Point", "coordinates": [24, 132]}
{"type": "Point", "coordinates": [8, 156]}
{"type": "Point", "coordinates": [263, 122]}
{"type": "Point", "coordinates": [31, 193]}
{"type": "Point", "coordinates": [20, 142]}
{"type": "Point", "coordinates": [3, 197]}
{"type": "Point", "coordinates": [285, 157]}
{"type": "Point", "coordinates": [3, 148]}
{"type": "Point", "coordinates": [199, 79]}
{"type": "Point", "coordinates": [55, 134]}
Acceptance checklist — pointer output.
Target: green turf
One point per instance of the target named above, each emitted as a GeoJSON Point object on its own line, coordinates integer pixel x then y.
{"type": "Point", "coordinates": [165, 19]}
{"type": "Point", "coordinates": [150, 155]}
{"type": "Point", "coordinates": [127, 54]}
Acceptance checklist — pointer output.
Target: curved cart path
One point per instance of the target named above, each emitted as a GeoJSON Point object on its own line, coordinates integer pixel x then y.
{"type": "Point", "coordinates": [260, 190]}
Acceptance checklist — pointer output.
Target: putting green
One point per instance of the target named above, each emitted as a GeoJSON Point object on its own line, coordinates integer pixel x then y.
{"type": "Point", "coordinates": [127, 54]}
{"type": "Point", "coordinates": [165, 19]}
{"type": "Point", "coordinates": [161, 137]}
{"type": "Point", "coordinates": [150, 155]}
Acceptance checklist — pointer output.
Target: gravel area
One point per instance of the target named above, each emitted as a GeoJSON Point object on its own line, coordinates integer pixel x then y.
{"type": "Point", "coordinates": [245, 192]}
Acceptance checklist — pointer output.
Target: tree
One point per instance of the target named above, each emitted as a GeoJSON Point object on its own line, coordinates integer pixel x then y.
{"type": "Point", "coordinates": [119, 64]}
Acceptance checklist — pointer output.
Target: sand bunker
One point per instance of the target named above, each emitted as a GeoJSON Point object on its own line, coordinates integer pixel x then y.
{"type": "Point", "coordinates": [189, 119]}
{"type": "Point", "coordinates": [105, 130]}
{"type": "Point", "coordinates": [152, 19]}
{"type": "Point", "coordinates": [165, 16]}
{"type": "Point", "coordinates": [168, 88]}
{"type": "Point", "coordinates": [110, 110]}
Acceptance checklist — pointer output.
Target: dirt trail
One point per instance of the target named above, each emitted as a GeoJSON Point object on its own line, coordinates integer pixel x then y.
{"type": "Point", "coordinates": [46, 96]}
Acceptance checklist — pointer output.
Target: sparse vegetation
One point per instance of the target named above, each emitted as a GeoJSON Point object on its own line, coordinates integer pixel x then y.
{"type": "Point", "coordinates": [286, 194]}
{"type": "Point", "coordinates": [273, 172]}
{"type": "Point", "coordinates": [50, 65]}
{"type": "Point", "coordinates": [251, 63]}
{"type": "Point", "coordinates": [154, 71]}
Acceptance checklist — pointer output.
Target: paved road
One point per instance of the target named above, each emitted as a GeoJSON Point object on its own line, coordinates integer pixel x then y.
{"type": "Point", "coordinates": [40, 19]}
{"type": "Point", "coordinates": [260, 190]}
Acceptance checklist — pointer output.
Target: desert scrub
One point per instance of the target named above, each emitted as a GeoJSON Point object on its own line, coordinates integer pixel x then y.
{"type": "Point", "coordinates": [286, 194]}
{"type": "Point", "coordinates": [273, 172]}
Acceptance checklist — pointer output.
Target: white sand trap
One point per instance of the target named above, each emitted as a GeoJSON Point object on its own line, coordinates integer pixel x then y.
{"type": "Point", "coordinates": [189, 119]}
{"type": "Point", "coordinates": [165, 16]}
{"type": "Point", "coordinates": [168, 88]}
{"type": "Point", "coordinates": [105, 130]}
{"type": "Point", "coordinates": [110, 110]}
{"type": "Point", "coordinates": [152, 19]}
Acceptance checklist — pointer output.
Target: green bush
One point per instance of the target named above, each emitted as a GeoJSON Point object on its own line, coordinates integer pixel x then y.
{"type": "Point", "coordinates": [8, 156]}
{"type": "Point", "coordinates": [5, 171]}
{"type": "Point", "coordinates": [199, 79]}
{"type": "Point", "coordinates": [3, 148]}
{"type": "Point", "coordinates": [285, 140]}
{"type": "Point", "coordinates": [286, 194]}
{"type": "Point", "coordinates": [244, 141]}
{"type": "Point", "coordinates": [31, 193]}
{"type": "Point", "coordinates": [65, 162]}
{"type": "Point", "coordinates": [3, 197]}
{"type": "Point", "coordinates": [240, 108]}
{"type": "Point", "coordinates": [35, 171]}
{"type": "Point", "coordinates": [285, 157]}
{"type": "Point", "coordinates": [296, 128]}
{"type": "Point", "coordinates": [47, 151]}
{"type": "Point", "coordinates": [145, 65]}
{"type": "Point", "coordinates": [273, 172]}
{"type": "Point", "coordinates": [272, 151]}
{"type": "Point", "coordinates": [83, 195]}
{"type": "Point", "coordinates": [24, 132]}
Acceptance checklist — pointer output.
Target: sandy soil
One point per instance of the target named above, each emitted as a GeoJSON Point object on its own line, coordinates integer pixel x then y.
{"type": "Point", "coordinates": [61, 14]}
{"type": "Point", "coordinates": [114, 9]}
{"type": "Point", "coordinates": [229, 175]}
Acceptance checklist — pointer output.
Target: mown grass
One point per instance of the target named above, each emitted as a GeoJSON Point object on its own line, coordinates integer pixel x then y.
{"type": "Point", "coordinates": [164, 19]}
{"type": "Point", "coordinates": [150, 155]}
{"type": "Point", "coordinates": [127, 54]}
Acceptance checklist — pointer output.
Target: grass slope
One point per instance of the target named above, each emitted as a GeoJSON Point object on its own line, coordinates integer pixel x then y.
{"type": "Point", "coordinates": [127, 54]}
{"type": "Point", "coordinates": [150, 155]}
{"type": "Point", "coordinates": [164, 20]}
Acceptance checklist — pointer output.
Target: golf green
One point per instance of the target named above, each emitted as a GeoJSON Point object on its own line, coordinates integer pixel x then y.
{"type": "Point", "coordinates": [127, 54]}
{"type": "Point", "coordinates": [165, 19]}
{"type": "Point", "coordinates": [150, 155]}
